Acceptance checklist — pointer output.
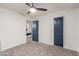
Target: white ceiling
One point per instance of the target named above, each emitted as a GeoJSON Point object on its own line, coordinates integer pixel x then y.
{"type": "Point", "coordinates": [52, 7]}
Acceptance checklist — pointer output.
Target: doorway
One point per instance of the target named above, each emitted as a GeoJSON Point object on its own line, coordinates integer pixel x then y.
{"type": "Point", "coordinates": [29, 31]}
{"type": "Point", "coordinates": [58, 31]}
{"type": "Point", "coordinates": [32, 31]}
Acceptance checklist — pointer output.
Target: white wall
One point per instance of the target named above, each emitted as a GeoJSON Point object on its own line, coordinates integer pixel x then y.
{"type": "Point", "coordinates": [77, 30]}
{"type": "Point", "coordinates": [12, 29]}
{"type": "Point", "coordinates": [46, 28]}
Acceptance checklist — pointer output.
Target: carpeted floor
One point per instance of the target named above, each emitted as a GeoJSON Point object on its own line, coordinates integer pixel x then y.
{"type": "Point", "coordinates": [38, 49]}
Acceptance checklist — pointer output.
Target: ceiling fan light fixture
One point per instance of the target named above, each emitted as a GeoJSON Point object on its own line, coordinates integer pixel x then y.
{"type": "Point", "coordinates": [33, 10]}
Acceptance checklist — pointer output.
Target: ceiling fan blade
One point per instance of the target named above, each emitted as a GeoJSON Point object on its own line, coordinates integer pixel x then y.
{"type": "Point", "coordinates": [41, 9]}
{"type": "Point", "coordinates": [28, 4]}
{"type": "Point", "coordinates": [28, 12]}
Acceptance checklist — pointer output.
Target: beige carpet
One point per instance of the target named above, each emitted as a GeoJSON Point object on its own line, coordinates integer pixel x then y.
{"type": "Point", "coordinates": [38, 49]}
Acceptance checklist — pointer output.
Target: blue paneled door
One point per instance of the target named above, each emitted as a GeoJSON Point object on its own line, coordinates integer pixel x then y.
{"type": "Point", "coordinates": [35, 30]}
{"type": "Point", "coordinates": [58, 31]}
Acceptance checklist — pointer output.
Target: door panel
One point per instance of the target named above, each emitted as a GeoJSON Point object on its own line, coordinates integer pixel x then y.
{"type": "Point", "coordinates": [35, 30]}
{"type": "Point", "coordinates": [58, 31]}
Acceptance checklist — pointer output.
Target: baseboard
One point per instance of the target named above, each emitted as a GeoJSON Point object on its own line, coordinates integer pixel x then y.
{"type": "Point", "coordinates": [46, 43]}
{"type": "Point", "coordinates": [13, 46]}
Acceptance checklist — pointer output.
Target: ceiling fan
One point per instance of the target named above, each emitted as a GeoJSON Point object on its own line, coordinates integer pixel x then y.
{"type": "Point", "coordinates": [33, 8]}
